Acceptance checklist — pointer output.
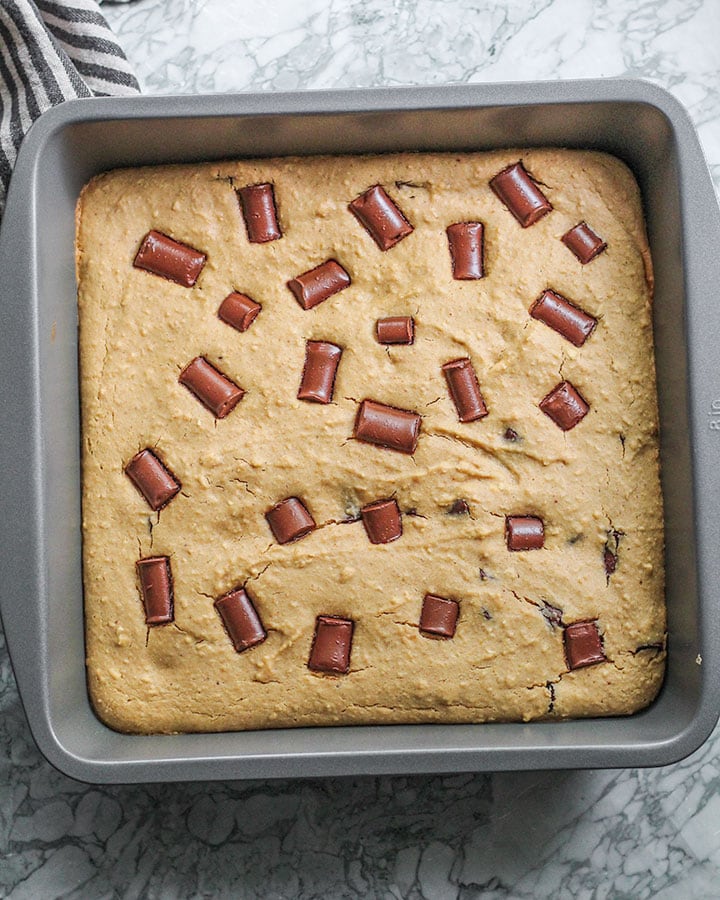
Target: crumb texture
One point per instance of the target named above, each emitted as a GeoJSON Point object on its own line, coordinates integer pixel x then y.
{"type": "Point", "coordinates": [595, 487]}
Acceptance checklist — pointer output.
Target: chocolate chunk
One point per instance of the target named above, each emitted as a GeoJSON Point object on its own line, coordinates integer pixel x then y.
{"type": "Point", "coordinates": [239, 311]}
{"type": "Point", "coordinates": [520, 194]}
{"type": "Point", "coordinates": [439, 616]}
{"type": "Point", "coordinates": [241, 619]}
{"type": "Point", "coordinates": [156, 588]}
{"type": "Point", "coordinates": [213, 389]}
{"type": "Point", "coordinates": [380, 217]}
{"type": "Point", "coordinates": [610, 553]}
{"type": "Point", "coordinates": [610, 560]}
{"type": "Point", "coordinates": [386, 426]}
{"type": "Point", "coordinates": [583, 242]}
{"type": "Point", "coordinates": [318, 284]}
{"type": "Point", "coordinates": [464, 389]}
{"type": "Point", "coordinates": [466, 250]}
{"type": "Point", "coordinates": [289, 520]}
{"type": "Point", "coordinates": [257, 202]}
{"type": "Point", "coordinates": [511, 435]}
{"type": "Point", "coordinates": [157, 485]}
{"type": "Point", "coordinates": [170, 259]}
{"type": "Point", "coordinates": [318, 377]}
{"type": "Point", "coordinates": [562, 316]}
{"type": "Point", "coordinates": [552, 614]}
{"type": "Point", "coordinates": [524, 533]}
{"type": "Point", "coordinates": [564, 406]}
{"type": "Point", "coordinates": [459, 508]}
{"type": "Point", "coordinates": [395, 330]}
{"type": "Point", "coordinates": [583, 645]}
{"type": "Point", "coordinates": [382, 521]}
{"type": "Point", "coordinates": [331, 645]}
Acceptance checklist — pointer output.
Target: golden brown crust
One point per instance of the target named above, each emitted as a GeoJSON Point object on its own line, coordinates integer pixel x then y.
{"type": "Point", "coordinates": [506, 661]}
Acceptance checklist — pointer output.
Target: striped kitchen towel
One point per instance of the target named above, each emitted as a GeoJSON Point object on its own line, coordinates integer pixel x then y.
{"type": "Point", "coordinates": [50, 51]}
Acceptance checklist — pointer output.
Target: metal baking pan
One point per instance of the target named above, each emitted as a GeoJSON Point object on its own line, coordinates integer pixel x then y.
{"type": "Point", "coordinates": [40, 567]}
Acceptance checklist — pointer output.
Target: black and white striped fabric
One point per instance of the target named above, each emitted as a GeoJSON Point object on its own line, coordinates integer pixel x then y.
{"type": "Point", "coordinates": [50, 51]}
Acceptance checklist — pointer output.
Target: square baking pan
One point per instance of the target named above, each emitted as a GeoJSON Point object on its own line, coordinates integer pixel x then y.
{"type": "Point", "coordinates": [41, 597]}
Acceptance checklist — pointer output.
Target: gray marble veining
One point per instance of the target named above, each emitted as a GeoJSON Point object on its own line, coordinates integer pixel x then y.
{"type": "Point", "coordinates": [599, 834]}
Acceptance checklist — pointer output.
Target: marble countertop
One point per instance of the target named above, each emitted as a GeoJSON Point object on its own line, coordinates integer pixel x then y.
{"type": "Point", "coordinates": [570, 834]}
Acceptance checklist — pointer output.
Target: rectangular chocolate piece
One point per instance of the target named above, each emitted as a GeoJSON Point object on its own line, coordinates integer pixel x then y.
{"type": "Point", "coordinates": [562, 316]}
{"type": "Point", "coordinates": [583, 242]}
{"type": "Point", "coordinates": [156, 589]}
{"type": "Point", "coordinates": [241, 619]}
{"type": "Point", "coordinates": [380, 217]}
{"type": "Point", "coordinates": [520, 194]}
{"type": "Point", "coordinates": [318, 284]}
{"type": "Point", "coordinates": [466, 250]}
{"type": "Point", "coordinates": [331, 645]}
{"type": "Point", "coordinates": [439, 616]}
{"type": "Point", "coordinates": [395, 330]}
{"type": "Point", "coordinates": [583, 645]}
{"type": "Point", "coordinates": [464, 389]}
{"type": "Point", "coordinates": [257, 202]}
{"type": "Point", "coordinates": [386, 426]}
{"type": "Point", "coordinates": [524, 533]}
{"type": "Point", "coordinates": [239, 311]}
{"type": "Point", "coordinates": [170, 259]}
{"type": "Point", "coordinates": [318, 378]}
{"type": "Point", "coordinates": [156, 483]}
{"type": "Point", "coordinates": [564, 406]}
{"type": "Point", "coordinates": [289, 520]}
{"type": "Point", "coordinates": [382, 521]}
{"type": "Point", "coordinates": [213, 389]}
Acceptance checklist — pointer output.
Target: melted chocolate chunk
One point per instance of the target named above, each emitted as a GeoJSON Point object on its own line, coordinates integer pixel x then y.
{"type": "Point", "coordinates": [610, 551]}
{"type": "Point", "coordinates": [583, 645]}
{"type": "Point", "coordinates": [241, 619]}
{"type": "Point", "coordinates": [380, 217]}
{"type": "Point", "coordinates": [382, 521]}
{"type": "Point", "coordinates": [511, 435]}
{"type": "Point", "coordinates": [583, 242]}
{"type": "Point", "coordinates": [439, 616]}
{"type": "Point", "coordinates": [318, 379]}
{"type": "Point", "coordinates": [520, 194]}
{"type": "Point", "coordinates": [332, 645]}
{"type": "Point", "coordinates": [386, 426]}
{"type": "Point", "coordinates": [169, 259]}
{"type": "Point", "coordinates": [257, 202]}
{"type": "Point", "coordinates": [610, 560]}
{"type": "Point", "coordinates": [289, 520]}
{"type": "Point", "coordinates": [156, 588]}
{"type": "Point", "coordinates": [459, 507]}
{"type": "Point", "coordinates": [154, 481]}
{"type": "Point", "coordinates": [564, 406]}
